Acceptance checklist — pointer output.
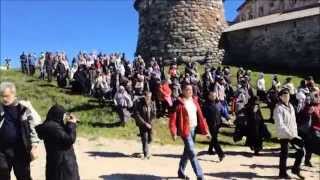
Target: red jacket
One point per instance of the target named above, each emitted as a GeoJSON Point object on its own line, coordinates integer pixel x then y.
{"type": "Point", "coordinates": [165, 93]}
{"type": "Point", "coordinates": [314, 111]}
{"type": "Point", "coordinates": [179, 120]}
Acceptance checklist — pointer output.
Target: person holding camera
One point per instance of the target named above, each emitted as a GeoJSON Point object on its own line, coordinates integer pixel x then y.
{"type": "Point", "coordinates": [59, 134]}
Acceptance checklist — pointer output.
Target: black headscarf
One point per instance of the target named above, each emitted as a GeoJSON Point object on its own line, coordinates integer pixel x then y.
{"type": "Point", "coordinates": [56, 114]}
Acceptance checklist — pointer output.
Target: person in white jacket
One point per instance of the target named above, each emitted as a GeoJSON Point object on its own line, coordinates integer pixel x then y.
{"type": "Point", "coordinates": [286, 127]}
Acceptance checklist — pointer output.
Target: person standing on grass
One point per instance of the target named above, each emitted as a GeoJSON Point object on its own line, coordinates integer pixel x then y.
{"type": "Point", "coordinates": [261, 87]}
{"type": "Point", "coordinates": [213, 116]}
{"type": "Point", "coordinates": [185, 118]}
{"type": "Point", "coordinates": [49, 65]}
{"type": "Point", "coordinates": [62, 74]}
{"type": "Point", "coordinates": [219, 89]}
{"type": "Point", "coordinates": [18, 138]}
{"type": "Point", "coordinates": [41, 61]}
{"type": "Point", "coordinates": [123, 102]}
{"type": "Point", "coordinates": [144, 113]}
{"type": "Point", "coordinates": [286, 127]}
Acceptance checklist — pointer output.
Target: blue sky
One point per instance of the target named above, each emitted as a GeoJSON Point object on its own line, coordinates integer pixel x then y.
{"type": "Point", "coordinates": [73, 25]}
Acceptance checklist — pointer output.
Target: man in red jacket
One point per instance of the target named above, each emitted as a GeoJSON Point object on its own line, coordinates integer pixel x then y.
{"type": "Point", "coordinates": [185, 119]}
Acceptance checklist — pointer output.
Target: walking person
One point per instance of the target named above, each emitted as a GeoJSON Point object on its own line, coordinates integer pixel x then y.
{"type": "Point", "coordinates": [59, 134]}
{"type": "Point", "coordinates": [185, 118]}
{"type": "Point", "coordinates": [219, 88]}
{"type": "Point", "coordinates": [256, 129]}
{"type": "Point", "coordinates": [144, 113]}
{"type": "Point", "coordinates": [213, 117]}
{"type": "Point", "coordinates": [18, 137]}
{"type": "Point", "coordinates": [286, 127]}
{"type": "Point", "coordinates": [123, 102]}
{"type": "Point", "coordinates": [309, 127]}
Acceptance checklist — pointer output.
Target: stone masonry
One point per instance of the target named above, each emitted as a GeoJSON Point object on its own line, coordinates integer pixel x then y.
{"type": "Point", "coordinates": [188, 30]}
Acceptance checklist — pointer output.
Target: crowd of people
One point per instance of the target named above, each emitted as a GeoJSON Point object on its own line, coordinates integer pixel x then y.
{"type": "Point", "coordinates": [194, 104]}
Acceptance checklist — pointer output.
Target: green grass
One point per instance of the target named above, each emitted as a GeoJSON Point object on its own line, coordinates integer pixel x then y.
{"type": "Point", "coordinates": [43, 95]}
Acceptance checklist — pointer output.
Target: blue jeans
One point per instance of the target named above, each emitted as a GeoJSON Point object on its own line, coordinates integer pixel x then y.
{"type": "Point", "coordinates": [225, 110]}
{"type": "Point", "coordinates": [190, 154]}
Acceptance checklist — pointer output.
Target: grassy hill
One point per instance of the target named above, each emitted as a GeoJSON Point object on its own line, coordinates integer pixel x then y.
{"type": "Point", "coordinates": [100, 121]}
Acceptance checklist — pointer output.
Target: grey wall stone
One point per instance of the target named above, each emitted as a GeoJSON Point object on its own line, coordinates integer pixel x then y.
{"type": "Point", "coordinates": [186, 28]}
{"type": "Point", "coordinates": [292, 45]}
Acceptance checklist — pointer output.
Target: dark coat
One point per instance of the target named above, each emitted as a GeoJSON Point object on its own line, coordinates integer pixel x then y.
{"type": "Point", "coordinates": [256, 129]}
{"type": "Point", "coordinates": [141, 113]}
{"type": "Point", "coordinates": [62, 73]}
{"type": "Point", "coordinates": [213, 116]}
{"type": "Point", "coordinates": [27, 131]}
{"type": "Point", "coordinates": [59, 139]}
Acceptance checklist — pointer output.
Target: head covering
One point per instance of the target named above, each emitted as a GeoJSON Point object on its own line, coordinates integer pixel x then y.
{"type": "Point", "coordinates": [56, 113]}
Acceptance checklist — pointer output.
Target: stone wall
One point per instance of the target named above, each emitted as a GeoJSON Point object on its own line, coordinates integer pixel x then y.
{"type": "Point", "coordinates": [290, 45]}
{"type": "Point", "coordinates": [190, 29]}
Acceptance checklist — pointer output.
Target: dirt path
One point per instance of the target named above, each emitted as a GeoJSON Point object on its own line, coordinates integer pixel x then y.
{"type": "Point", "coordinates": [112, 159]}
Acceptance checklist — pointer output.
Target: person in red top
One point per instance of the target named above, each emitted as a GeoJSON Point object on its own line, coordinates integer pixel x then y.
{"type": "Point", "coordinates": [186, 119]}
{"type": "Point", "coordinates": [313, 137]}
{"type": "Point", "coordinates": [173, 72]}
{"type": "Point", "coordinates": [165, 93]}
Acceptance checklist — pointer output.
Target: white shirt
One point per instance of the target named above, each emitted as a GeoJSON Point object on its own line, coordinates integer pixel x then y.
{"type": "Point", "coordinates": [192, 112]}
{"type": "Point", "coordinates": [261, 84]}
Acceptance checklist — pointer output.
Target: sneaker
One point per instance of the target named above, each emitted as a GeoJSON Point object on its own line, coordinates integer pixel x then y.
{"type": "Point", "coordinates": [211, 152]}
{"type": "Point", "coordinates": [221, 158]}
{"type": "Point", "coordinates": [297, 173]}
{"type": "Point", "coordinates": [182, 176]}
{"type": "Point", "coordinates": [308, 164]}
{"type": "Point", "coordinates": [139, 155]}
{"type": "Point", "coordinates": [148, 156]}
{"type": "Point", "coordinates": [284, 176]}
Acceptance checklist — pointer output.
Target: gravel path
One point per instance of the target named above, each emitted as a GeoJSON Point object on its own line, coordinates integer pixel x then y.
{"type": "Point", "coordinates": [115, 160]}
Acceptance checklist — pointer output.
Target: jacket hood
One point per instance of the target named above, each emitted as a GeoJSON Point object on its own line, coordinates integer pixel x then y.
{"type": "Point", "coordinates": [55, 114]}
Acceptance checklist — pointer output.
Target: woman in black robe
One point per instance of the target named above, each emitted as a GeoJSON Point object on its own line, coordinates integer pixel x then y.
{"type": "Point", "coordinates": [256, 129]}
{"type": "Point", "coordinates": [59, 134]}
{"type": "Point", "coordinates": [62, 74]}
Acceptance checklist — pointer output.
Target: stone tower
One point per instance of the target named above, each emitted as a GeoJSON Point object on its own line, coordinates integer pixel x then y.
{"type": "Point", "coordinates": [190, 29]}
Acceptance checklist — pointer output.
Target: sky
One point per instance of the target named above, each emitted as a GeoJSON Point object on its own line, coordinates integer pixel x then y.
{"type": "Point", "coordinates": [73, 25]}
